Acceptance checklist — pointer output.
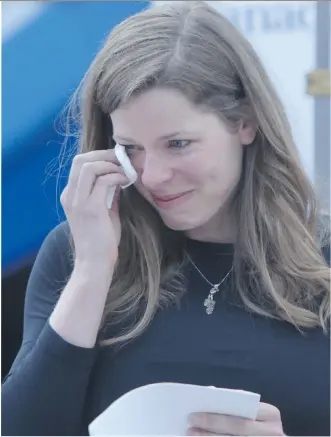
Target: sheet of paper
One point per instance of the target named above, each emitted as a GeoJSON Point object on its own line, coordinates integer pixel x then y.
{"type": "Point", "coordinates": [162, 409]}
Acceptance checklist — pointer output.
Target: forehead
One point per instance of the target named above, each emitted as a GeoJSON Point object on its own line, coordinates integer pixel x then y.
{"type": "Point", "coordinates": [159, 111]}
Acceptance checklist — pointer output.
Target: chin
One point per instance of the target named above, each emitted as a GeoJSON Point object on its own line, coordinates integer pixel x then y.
{"type": "Point", "coordinates": [181, 225]}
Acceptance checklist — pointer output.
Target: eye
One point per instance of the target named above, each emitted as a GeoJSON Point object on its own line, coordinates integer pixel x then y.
{"type": "Point", "coordinates": [179, 144]}
{"type": "Point", "coordinates": [130, 148]}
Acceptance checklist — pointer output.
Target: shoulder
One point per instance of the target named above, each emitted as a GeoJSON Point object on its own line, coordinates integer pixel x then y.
{"type": "Point", "coordinates": [55, 254]}
{"type": "Point", "coordinates": [49, 275]}
{"type": "Point", "coordinates": [50, 272]}
{"type": "Point", "coordinates": [58, 240]}
{"type": "Point", "coordinates": [60, 235]}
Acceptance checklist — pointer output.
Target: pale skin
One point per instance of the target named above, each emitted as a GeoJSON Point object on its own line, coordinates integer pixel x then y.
{"type": "Point", "coordinates": [200, 154]}
{"type": "Point", "coordinates": [177, 150]}
{"type": "Point", "coordinates": [268, 422]}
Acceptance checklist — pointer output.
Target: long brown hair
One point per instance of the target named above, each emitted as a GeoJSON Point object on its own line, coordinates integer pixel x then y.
{"type": "Point", "coordinates": [190, 47]}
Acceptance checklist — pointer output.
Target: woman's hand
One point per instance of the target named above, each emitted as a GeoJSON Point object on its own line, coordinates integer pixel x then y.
{"type": "Point", "coordinates": [96, 230]}
{"type": "Point", "coordinates": [268, 422]}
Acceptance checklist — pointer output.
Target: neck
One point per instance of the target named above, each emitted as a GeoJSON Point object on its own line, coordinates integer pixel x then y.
{"type": "Point", "coordinates": [221, 228]}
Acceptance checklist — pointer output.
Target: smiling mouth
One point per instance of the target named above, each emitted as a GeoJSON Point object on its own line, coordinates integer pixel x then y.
{"type": "Point", "coordinates": [171, 200]}
{"type": "Point", "coordinates": [168, 198]}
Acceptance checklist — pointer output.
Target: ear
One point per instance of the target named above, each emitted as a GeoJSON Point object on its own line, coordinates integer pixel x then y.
{"type": "Point", "coordinates": [247, 133]}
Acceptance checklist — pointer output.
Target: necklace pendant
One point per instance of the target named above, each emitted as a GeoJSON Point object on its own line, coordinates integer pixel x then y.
{"type": "Point", "coordinates": [209, 303]}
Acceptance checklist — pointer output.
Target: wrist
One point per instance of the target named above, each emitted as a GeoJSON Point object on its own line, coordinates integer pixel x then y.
{"type": "Point", "coordinates": [93, 271]}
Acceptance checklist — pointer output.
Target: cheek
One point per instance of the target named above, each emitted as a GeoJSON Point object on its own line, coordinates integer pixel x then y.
{"type": "Point", "coordinates": [223, 171]}
{"type": "Point", "coordinates": [140, 188]}
{"type": "Point", "coordinates": [220, 169]}
{"type": "Point", "coordinates": [137, 160]}
{"type": "Point", "coordinates": [186, 170]}
{"type": "Point", "coordinates": [138, 164]}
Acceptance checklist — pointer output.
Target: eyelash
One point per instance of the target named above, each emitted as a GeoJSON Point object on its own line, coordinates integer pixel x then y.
{"type": "Point", "coordinates": [188, 142]}
{"type": "Point", "coordinates": [130, 148]}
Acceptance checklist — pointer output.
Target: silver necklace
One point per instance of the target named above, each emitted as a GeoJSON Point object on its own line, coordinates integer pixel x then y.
{"type": "Point", "coordinates": [209, 302]}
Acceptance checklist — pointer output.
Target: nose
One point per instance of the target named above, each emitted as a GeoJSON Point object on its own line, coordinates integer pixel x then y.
{"type": "Point", "coordinates": [155, 172]}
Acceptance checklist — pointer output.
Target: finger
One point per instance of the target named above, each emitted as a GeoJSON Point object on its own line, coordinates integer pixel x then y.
{"type": "Point", "coordinates": [114, 206]}
{"type": "Point", "coordinates": [232, 425]}
{"type": "Point", "coordinates": [101, 187]}
{"type": "Point", "coordinates": [268, 412]}
{"type": "Point", "coordinates": [82, 158]}
{"type": "Point", "coordinates": [198, 431]}
{"type": "Point", "coordinates": [63, 197]}
{"type": "Point", "coordinates": [89, 173]}
{"type": "Point", "coordinates": [221, 424]}
{"type": "Point", "coordinates": [263, 429]}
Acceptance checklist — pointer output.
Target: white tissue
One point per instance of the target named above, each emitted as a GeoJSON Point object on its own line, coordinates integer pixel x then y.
{"type": "Point", "coordinates": [129, 171]}
{"type": "Point", "coordinates": [162, 409]}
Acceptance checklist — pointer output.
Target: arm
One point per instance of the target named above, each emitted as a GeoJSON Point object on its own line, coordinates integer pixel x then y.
{"type": "Point", "coordinates": [45, 390]}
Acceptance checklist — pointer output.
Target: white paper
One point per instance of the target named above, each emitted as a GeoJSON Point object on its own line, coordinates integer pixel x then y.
{"type": "Point", "coordinates": [129, 171]}
{"type": "Point", "coordinates": [162, 409]}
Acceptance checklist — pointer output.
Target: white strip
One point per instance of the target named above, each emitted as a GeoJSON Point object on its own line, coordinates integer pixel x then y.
{"type": "Point", "coordinates": [17, 15]}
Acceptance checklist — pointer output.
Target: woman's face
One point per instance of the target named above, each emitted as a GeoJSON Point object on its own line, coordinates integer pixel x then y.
{"type": "Point", "coordinates": [188, 162]}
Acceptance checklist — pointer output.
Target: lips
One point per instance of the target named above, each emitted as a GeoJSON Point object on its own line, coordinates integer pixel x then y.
{"type": "Point", "coordinates": [169, 197]}
{"type": "Point", "coordinates": [171, 200]}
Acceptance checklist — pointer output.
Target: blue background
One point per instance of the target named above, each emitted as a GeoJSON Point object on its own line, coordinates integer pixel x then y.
{"type": "Point", "coordinates": [41, 67]}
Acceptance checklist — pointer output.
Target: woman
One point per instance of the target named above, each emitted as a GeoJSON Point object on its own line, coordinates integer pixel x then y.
{"type": "Point", "coordinates": [210, 270]}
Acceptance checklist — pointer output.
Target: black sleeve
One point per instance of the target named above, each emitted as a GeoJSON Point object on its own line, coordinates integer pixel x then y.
{"type": "Point", "coordinates": [45, 390]}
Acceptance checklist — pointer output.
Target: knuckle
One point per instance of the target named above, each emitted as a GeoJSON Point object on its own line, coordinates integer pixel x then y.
{"type": "Point", "coordinates": [275, 413]}
{"type": "Point", "coordinates": [78, 160]}
{"type": "Point", "coordinates": [105, 181]}
{"type": "Point", "coordinates": [87, 167]}
{"type": "Point", "coordinates": [64, 196]}
{"type": "Point", "coordinates": [75, 206]}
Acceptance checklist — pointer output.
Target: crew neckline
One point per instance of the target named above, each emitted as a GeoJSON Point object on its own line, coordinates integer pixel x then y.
{"type": "Point", "coordinates": [193, 245]}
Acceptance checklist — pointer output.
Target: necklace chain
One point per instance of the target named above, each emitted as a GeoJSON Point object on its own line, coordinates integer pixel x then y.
{"type": "Point", "coordinates": [209, 303]}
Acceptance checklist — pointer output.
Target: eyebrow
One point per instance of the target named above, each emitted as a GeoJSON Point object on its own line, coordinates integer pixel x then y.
{"type": "Point", "coordinates": [162, 137]}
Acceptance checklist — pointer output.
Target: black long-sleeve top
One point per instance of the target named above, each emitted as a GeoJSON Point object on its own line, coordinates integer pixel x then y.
{"type": "Point", "coordinates": [55, 388]}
